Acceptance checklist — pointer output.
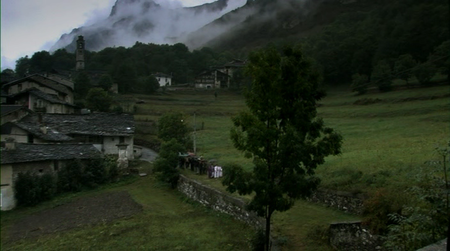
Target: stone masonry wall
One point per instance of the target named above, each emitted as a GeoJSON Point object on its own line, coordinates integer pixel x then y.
{"type": "Point", "coordinates": [352, 236]}
{"type": "Point", "coordinates": [344, 201]}
{"type": "Point", "coordinates": [218, 201]}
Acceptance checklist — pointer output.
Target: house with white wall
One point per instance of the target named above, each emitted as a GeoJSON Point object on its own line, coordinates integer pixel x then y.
{"type": "Point", "coordinates": [37, 159]}
{"type": "Point", "coordinates": [163, 79]}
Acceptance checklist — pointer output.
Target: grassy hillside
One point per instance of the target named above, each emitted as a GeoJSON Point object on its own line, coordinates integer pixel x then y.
{"type": "Point", "coordinates": [387, 136]}
{"type": "Point", "coordinates": [168, 221]}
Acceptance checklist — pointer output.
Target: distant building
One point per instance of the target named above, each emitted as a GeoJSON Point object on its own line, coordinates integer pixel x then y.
{"type": "Point", "coordinates": [163, 79]}
{"type": "Point", "coordinates": [219, 76]}
{"type": "Point", "coordinates": [212, 79]}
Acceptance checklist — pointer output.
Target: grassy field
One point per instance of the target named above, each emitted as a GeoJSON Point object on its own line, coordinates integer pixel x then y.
{"type": "Point", "coordinates": [168, 221]}
{"type": "Point", "coordinates": [387, 136]}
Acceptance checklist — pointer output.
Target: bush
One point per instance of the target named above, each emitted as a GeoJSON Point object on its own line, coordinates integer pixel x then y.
{"type": "Point", "coordinates": [70, 177]}
{"type": "Point", "coordinates": [94, 173]}
{"type": "Point", "coordinates": [31, 189]}
{"type": "Point", "coordinates": [360, 83]}
{"type": "Point", "coordinates": [379, 206]}
{"type": "Point", "coordinates": [424, 72]}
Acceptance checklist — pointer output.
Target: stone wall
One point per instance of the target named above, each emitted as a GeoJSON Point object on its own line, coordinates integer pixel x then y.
{"type": "Point", "coordinates": [351, 236]}
{"type": "Point", "coordinates": [345, 201]}
{"type": "Point", "coordinates": [218, 201]}
{"type": "Point", "coordinates": [439, 246]}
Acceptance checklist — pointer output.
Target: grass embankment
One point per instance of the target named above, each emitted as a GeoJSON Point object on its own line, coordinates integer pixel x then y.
{"type": "Point", "coordinates": [387, 136]}
{"type": "Point", "coordinates": [168, 222]}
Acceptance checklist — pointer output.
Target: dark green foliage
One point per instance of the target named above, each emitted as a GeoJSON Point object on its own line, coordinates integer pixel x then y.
{"type": "Point", "coordinates": [82, 84]}
{"type": "Point", "coordinates": [379, 206]}
{"type": "Point", "coordinates": [48, 187]}
{"type": "Point", "coordinates": [425, 218]}
{"type": "Point", "coordinates": [404, 67]}
{"type": "Point", "coordinates": [258, 241]}
{"type": "Point", "coordinates": [27, 189]}
{"type": "Point", "coordinates": [424, 72]}
{"type": "Point", "coordinates": [440, 58]}
{"type": "Point", "coordinates": [167, 162]}
{"type": "Point", "coordinates": [22, 66]}
{"type": "Point", "coordinates": [98, 99]}
{"type": "Point", "coordinates": [95, 173]}
{"type": "Point", "coordinates": [357, 40]}
{"type": "Point", "coordinates": [360, 83]}
{"type": "Point", "coordinates": [70, 177]}
{"type": "Point", "coordinates": [382, 76]}
{"type": "Point", "coordinates": [31, 188]}
{"type": "Point", "coordinates": [105, 82]}
{"type": "Point", "coordinates": [280, 132]}
{"type": "Point", "coordinates": [41, 61]}
{"type": "Point", "coordinates": [173, 126]}
{"type": "Point", "coordinates": [147, 85]}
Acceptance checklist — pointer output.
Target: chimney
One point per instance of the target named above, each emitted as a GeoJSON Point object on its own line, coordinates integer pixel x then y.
{"type": "Point", "coordinates": [44, 129]}
{"type": "Point", "coordinates": [10, 144]}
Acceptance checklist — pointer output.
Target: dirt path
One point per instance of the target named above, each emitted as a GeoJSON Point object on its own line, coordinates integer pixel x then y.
{"type": "Point", "coordinates": [84, 211]}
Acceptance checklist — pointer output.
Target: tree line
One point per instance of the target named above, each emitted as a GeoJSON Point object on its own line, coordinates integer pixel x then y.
{"type": "Point", "coordinates": [398, 39]}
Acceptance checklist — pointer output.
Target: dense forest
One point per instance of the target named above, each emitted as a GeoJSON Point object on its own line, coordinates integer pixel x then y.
{"type": "Point", "coordinates": [369, 46]}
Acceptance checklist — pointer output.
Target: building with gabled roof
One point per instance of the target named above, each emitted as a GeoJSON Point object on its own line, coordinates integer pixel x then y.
{"type": "Point", "coordinates": [104, 130]}
{"type": "Point", "coordinates": [49, 86]}
{"type": "Point", "coordinates": [39, 101]}
{"type": "Point", "coordinates": [12, 112]}
{"type": "Point", "coordinates": [37, 159]}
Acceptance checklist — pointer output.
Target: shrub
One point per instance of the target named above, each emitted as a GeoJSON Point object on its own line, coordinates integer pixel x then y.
{"type": "Point", "coordinates": [27, 190]}
{"type": "Point", "coordinates": [31, 189]}
{"type": "Point", "coordinates": [94, 173]}
{"type": "Point", "coordinates": [360, 83]}
{"type": "Point", "coordinates": [379, 206]}
{"type": "Point", "coordinates": [424, 72]}
{"type": "Point", "coordinates": [70, 177]}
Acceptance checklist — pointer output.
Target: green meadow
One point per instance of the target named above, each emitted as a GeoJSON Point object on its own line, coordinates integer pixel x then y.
{"type": "Point", "coordinates": [387, 138]}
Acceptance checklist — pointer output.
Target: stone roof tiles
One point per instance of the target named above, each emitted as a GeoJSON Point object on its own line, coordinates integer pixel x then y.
{"type": "Point", "coordinates": [102, 124]}
{"type": "Point", "coordinates": [41, 152]}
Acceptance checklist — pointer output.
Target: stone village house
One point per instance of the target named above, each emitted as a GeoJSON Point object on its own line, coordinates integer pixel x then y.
{"type": "Point", "coordinates": [219, 76]}
{"type": "Point", "coordinates": [37, 159]}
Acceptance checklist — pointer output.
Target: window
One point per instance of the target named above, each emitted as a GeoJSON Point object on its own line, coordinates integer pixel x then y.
{"type": "Point", "coordinates": [122, 139]}
{"type": "Point", "coordinates": [55, 165]}
{"type": "Point", "coordinates": [19, 87]}
{"type": "Point", "coordinates": [30, 138]}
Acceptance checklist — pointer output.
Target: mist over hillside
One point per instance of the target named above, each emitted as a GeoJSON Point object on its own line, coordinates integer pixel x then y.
{"type": "Point", "coordinates": [147, 21]}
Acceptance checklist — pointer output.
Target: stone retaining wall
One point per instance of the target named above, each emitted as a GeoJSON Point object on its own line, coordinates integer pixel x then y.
{"type": "Point", "coordinates": [352, 236]}
{"type": "Point", "coordinates": [218, 201]}
{"type": "Point", "coordinates": [345, 201]}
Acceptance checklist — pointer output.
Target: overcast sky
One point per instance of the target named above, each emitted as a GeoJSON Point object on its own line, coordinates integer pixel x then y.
{"type": "Point", "coordinates": [28, 26]}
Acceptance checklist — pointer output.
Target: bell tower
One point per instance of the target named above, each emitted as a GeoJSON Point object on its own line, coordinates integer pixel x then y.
{"type": "Point", "coordinates": [80, 54]}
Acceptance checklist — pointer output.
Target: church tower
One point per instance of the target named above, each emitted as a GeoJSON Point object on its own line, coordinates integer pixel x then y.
{"type": "Point", "coordinates": [80, 54]}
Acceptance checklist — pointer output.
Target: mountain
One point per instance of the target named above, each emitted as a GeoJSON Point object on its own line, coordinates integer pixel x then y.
{"type": "Point", "coordinates": [224, 24]}
{"type": "Point", "coordinates": [146, 21]}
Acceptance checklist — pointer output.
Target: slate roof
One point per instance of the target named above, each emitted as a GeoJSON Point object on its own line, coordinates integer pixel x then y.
{"type": "Point", "coordinates": [7, 109]}
{"type": "Point", "coordinates": [42, 95]}
{"type": "Point", "coordinates": [159, 74]}
{"type": "Point", "coordinates": [102, 124]}
{"type": "Point", "coordinates": [55, 85]}
{"type": "Point", "coordinates": [41, 152]}
{"type": "Point", "coordinates": [35, 129]}
{"type": "Point", "coordinates": [3, 93]}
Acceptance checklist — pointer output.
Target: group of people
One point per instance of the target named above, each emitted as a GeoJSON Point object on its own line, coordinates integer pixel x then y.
{"type": "Point", "coordinates": [199, 165]}
{"type": "Point", "coordinates": [214, 171]}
